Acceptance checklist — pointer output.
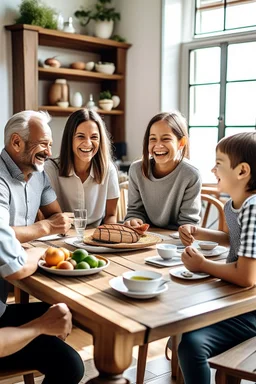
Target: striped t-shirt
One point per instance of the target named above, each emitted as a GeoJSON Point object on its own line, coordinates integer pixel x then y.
{"type": "Point", "coordinates": [242, 229]}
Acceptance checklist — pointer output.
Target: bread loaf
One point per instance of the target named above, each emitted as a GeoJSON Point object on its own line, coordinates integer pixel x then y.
{"type": "Point", "coordinates": [115, 233]}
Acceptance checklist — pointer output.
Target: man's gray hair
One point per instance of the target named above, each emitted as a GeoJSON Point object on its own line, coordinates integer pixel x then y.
{"type": "Point", "coordinates": [19, 123]}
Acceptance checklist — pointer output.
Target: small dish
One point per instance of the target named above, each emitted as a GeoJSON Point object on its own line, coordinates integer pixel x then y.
{"type": "Point", "coordinates": [159, 262]}
{"type": "Point", "coordinates": [117, 284]}
{"type": "Point", "coordinates": [142, 281]}
{"type": "Point", "coordinates": [207, 245]}
{"type": "Point", "coordinates": [166, 251]}
{"type": "Point", "coordinates": [185, 274]}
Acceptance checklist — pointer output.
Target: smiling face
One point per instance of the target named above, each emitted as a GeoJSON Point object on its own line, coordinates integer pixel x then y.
{"type": "Point", "coordinates": [86, 141]}
{"type": "Point", "coordinates": [163, 145]}
{"type": "Point", "coordinates": [226, 176]}
{"type": "Point", "coordinates": [37, 148]}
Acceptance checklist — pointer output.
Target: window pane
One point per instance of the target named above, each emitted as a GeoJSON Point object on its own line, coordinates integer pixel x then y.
{"type": "Point", "coordinates": [205, 65]}
{"type": "Point", "coordinates": [241, 61]}
{"type": "Point", "coordinates": [233, 130]}
{"type": "Point", "coordinates": [210, 20]}
{"type": "Point", "coordinates": [204, 105]}
{"type": "Point", "coordinates": [240, 104]}
{"type": "Point", "coordinates": [240, 15]}
{"type": "Point", "coordinates": [202, 151]}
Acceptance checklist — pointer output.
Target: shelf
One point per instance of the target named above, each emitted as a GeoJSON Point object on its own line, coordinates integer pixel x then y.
{"type": "Point", "coordinates": [53, 38]}
{"type": "Point", "coordinates": [58, 111]}
{"type": "Point", "coordinates": [75, 75]}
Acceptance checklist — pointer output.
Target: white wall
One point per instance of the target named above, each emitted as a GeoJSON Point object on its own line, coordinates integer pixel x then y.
{"type": "Point", "coordinates": [141, 25]}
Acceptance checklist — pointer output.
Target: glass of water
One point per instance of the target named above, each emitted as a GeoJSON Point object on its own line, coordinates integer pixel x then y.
{"type": "Point", "coordinates": [80, 222]}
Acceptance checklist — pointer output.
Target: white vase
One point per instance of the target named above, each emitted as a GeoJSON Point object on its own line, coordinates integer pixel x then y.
{"type": "Point", "coordinates": [103, 29]}
{"type": "Point", "coordinates": [77, 100]}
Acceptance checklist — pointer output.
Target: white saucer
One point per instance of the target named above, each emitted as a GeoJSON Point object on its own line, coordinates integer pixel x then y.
{"type": "Point", "coordinates": [117, 284]}
{"type": "Point", "coordinates": [177, 272]}
{"type": "Point", "coordinates": [157, 260]}
{"type": "Point", "coordinates": [214, 252]}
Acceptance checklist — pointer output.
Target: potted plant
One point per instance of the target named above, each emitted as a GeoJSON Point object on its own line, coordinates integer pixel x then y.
{"type": "Point", "coordinates": [103, 16]}
{"type": "Point", "coordinates": [34, 12]}
{"type": "Point", "coordinates": [106, 102]}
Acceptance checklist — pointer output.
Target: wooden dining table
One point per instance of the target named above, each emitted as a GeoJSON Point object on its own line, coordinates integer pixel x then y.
{"type": "Point", "coordinates": [118, 323]}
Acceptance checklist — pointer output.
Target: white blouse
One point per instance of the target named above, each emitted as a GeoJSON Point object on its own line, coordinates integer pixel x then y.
{"type": "Point", "coordinates": [72, 193]}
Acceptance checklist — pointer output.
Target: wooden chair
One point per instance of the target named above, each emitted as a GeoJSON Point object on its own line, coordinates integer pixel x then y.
{"type": "Point", "coordinates": [212, 201]}
{"type": "Point", "coordinates": [28, 375]}
{"type": "Point", "coordinates": [236, 364]}
{"type": "Point", "coordinates": [123, 201]}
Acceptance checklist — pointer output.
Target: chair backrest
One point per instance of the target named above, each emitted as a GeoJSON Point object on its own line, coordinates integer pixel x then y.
{"type": "Point", "coordinates": [123, 201]}
{"type": "Point", "coordinates": [212, 201]}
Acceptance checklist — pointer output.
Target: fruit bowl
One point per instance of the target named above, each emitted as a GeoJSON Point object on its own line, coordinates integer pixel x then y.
{"type": "Point", "coordinates": [74, 272]}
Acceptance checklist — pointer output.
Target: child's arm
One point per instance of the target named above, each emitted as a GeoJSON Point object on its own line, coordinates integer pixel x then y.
{"type": "Point", "coordinates": [242, 272]}
{"type": "Point", "coordinates": [189, 233]}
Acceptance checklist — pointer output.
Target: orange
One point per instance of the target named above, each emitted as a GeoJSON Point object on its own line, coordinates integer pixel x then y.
{"type": "Point", "coordinates": [67, 252]}
{"type": "Point", "coordinates": [65, 265]}
{"type": "Point", "coordinates": [53, 256]}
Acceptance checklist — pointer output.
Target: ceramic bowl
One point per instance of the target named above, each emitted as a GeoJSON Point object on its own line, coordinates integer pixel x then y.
{"type": "Point", "coordinates": [107, 68]}
{"type": "Point", "coordinates": [166, 251]}
{"type": "Point", "coordinates": [89, 66]}
{"type": "Point", "coordinates": [106, 104]}
{"type": "Point", "coordinates": [63, 104]}
{"type": "Point", "coordinates": [207, 245]}
{"type": "Point", "coordinates": [142, 281]}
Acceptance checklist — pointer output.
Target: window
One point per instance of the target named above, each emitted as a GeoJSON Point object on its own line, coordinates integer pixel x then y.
{"type": "Point", "coordinates": [221, 78]}
{"type": "Point", "coordinates": [224, 15]}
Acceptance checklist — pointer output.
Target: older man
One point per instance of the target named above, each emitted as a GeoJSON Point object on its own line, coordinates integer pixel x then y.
{"type": "Point", "coordinates": [31, 335]}
{"type": "Point", "coordinates": [24, 186]}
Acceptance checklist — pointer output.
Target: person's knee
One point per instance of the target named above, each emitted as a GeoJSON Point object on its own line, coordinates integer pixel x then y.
{"type": "Point", "coordinates": [190, 344]}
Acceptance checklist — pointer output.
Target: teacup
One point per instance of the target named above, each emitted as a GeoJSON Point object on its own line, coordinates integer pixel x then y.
{"type": "Point", "coordinates": [142, 281]}
{"type": "Point", "coordinates": [167, 251]}
{"type": "Point", "coordinates": [207, 245]}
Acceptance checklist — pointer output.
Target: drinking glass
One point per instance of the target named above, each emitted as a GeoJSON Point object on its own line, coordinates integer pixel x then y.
{"type": "Point", "coordinates": [80, 222]}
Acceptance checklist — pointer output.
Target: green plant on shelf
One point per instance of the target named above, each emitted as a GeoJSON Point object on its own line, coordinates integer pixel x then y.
{"type": "Point", "coordinates": [101, 12]}
{"type": "Point", "coordinates": [34, 12]}
{"type": "Point", "coordinates": [105, 95]}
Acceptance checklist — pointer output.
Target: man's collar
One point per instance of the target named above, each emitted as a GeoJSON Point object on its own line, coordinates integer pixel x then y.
{"type": "Point", "coordinates": [12, 167]}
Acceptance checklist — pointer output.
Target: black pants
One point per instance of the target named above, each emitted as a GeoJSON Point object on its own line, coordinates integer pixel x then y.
{"type": "Point", "coordinates": [59, 362]}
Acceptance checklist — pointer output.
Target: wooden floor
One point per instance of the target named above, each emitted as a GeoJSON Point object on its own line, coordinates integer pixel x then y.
{"type": "Point", "coordinates": [158, 369]}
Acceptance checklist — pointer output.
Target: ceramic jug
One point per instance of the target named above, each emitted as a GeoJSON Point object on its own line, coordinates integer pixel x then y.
{"type": "Point", "coordinates": [58, 91]}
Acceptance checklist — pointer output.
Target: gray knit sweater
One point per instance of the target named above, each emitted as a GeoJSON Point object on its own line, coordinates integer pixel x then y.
{"type": "Point", "coordinates": [167, 202]}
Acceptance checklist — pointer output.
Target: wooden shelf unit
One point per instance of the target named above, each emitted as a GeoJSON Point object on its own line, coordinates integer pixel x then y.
{"type": "Point", "coordinates": [27, 73]}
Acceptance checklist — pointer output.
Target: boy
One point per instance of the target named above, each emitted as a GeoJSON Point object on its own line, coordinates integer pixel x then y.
{"type": "Point", "coordinates": [235, 171]}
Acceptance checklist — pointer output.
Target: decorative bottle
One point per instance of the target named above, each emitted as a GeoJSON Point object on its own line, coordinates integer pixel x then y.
{"type": "Point", "coordinates": [90, 104]}
{"type": "Point", "coordinates": [68, 26]}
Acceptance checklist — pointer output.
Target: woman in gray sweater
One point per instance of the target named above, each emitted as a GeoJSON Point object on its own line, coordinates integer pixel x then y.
{"type": "Point", "coordinates": [164, 188]}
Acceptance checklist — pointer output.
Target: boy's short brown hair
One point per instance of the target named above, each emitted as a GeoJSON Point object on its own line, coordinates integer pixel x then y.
{"type": "Point", "coordinates": [241, 148]}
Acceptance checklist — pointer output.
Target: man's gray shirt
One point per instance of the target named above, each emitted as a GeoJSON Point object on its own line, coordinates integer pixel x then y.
{"type": "Point", "coordinates": [20, 199]}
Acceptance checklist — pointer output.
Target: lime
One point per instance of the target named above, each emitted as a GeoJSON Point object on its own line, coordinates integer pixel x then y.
{"type": "Point", "coordinates": [101, 263]}
{"type": "Point", "coordinates": [92, 261]}
{"type": "Point", "coordinates": [82, 265]}
{"type": "Point", "coordinates": [79, 255]}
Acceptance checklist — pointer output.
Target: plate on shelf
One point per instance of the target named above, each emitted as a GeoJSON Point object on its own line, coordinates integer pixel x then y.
{"type": "Point", "coordinates": [117, 284]}
{"type": "Point", "coordinates": [145, 241]}
{"type": "Point", "coordinates": [185, 274]}
{"type": "Point", "coordinates": [74, 272]}
{"type": "Point", "coordinates": [94, 249]}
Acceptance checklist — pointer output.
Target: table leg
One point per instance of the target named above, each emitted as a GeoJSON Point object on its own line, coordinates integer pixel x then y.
{"type": "Point", "coordinates": [20, 296]}
{"type": "Point", "coordinates": [112, 356]}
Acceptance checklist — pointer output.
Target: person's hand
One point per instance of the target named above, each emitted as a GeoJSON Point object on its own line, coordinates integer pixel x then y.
{"type": "Point", "coordinates": [133, 223]}
{"type": "Point", "coordinates": [59, 223]}
{"type": "Point", "coordinates": [187, 233]}
{"type": "Point", "coordinates": [57, 321]}
{"type": "Point", "coordinates": [193, 259]}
